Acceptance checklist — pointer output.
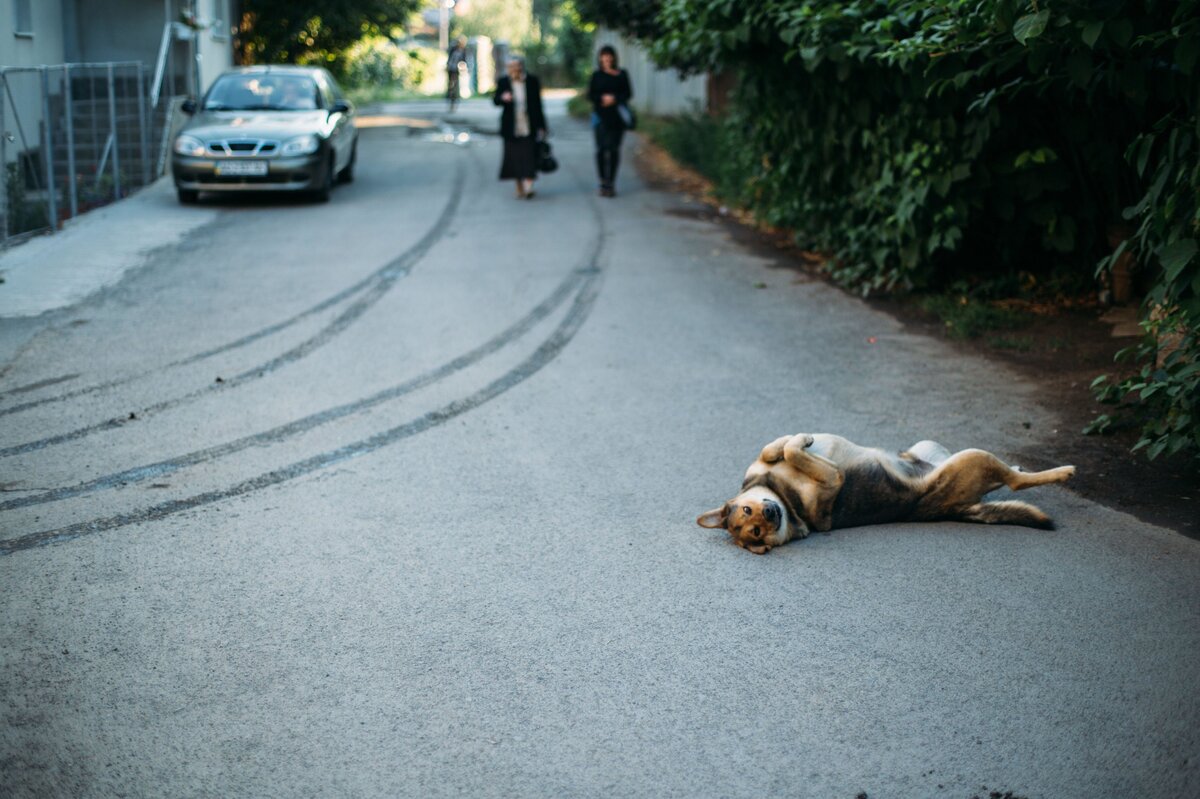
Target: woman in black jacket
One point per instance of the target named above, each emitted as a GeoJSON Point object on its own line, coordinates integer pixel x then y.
{"type": "Point", "coordinates": [522, 123]}
{"type": "Point", "coordinates": [610, 91]}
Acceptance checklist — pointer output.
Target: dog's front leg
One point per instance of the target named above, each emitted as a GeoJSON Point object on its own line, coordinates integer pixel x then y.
{"type": "Point", "coordinates": [773, 452]}
{"type": "Point", "coordinates": [796, 452]}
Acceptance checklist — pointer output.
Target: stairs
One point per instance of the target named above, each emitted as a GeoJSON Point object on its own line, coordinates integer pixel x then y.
{"type": "Point", "coordinates": [102, 143]}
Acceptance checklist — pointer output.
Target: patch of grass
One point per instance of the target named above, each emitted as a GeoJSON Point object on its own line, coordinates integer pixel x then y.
{"type": "Point", "coordinates": [1015, 343]}
{"type": "Point", "coordinates": [1058, 343]}
{"type": "Point", "coordinates": [965, 317]}
{"type": "Point", "coordinates": [579, 106]}
{"type": "Point", "coordinates": [700, 142]}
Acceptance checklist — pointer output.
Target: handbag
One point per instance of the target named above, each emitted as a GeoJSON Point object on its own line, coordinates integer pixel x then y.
{"type": "Point", "coordinates": [546, 162]}
{"type": "Point", "coordinates": [628, 117]}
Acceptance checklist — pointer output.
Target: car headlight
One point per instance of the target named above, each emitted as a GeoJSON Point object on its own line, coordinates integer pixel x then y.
{"type": "Point", "coordinates": [301, 145]}
{"type": "Point", "coordinates": [189, 145]}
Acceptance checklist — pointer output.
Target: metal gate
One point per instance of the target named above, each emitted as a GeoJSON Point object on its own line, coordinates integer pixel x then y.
{"type": "Point", "coordinates": [73, 137]}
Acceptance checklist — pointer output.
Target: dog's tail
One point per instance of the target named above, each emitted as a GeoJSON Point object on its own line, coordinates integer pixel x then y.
{"type": "Point", "coordinates": [1008, 512]}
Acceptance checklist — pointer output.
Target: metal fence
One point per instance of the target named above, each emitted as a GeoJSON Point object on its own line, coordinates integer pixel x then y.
{"type": "Point", "coordinates": [74, 137]}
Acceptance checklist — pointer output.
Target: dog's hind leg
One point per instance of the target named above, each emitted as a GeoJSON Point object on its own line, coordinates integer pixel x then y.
{"type": "Point", "coordinates": [966, 476]}
{"type": "Point", "coordinates": [1007, 512]}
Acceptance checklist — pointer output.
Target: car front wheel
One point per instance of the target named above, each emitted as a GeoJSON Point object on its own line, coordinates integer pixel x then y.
{"type": "Point", "coordinates": [323, 191]}
{"type": "Point", "coordinates": [347, 174]}
{"type": "Point", "coordinates": [188, 196]}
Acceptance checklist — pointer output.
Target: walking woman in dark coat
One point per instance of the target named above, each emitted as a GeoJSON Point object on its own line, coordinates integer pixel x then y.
{"type": "Point", "coordinates": [609, 90]}
{"type": "Point", "coordinates": [522, 123]}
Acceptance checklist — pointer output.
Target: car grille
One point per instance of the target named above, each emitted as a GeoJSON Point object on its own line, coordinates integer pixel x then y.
{"type": "Point", "coordinates": [242, 147]}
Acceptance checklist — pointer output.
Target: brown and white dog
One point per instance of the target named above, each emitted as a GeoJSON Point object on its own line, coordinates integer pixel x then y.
{"type": "Point", "coordinates": [820, 482]}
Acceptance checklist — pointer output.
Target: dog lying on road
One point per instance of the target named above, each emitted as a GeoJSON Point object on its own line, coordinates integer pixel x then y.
{"type": "Point", "coordinates": [821, 482]}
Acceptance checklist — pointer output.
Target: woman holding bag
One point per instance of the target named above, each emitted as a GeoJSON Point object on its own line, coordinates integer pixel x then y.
{"type": "Point", "coordinates": [522, 124]}
{"type": "Point", "coordinates": [610, 92]}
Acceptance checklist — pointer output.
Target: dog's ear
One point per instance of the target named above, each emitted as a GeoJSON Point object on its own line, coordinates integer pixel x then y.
{"type": "Point", "coordinates": [714, 518]}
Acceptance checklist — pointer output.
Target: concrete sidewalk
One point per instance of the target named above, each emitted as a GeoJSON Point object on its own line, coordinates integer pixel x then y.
{"type": "Point", "coordinates": [94, 251]}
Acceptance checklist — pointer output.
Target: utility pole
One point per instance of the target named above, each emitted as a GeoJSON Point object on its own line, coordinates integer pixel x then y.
{"type": "Point", "coordinates": [444, 24]}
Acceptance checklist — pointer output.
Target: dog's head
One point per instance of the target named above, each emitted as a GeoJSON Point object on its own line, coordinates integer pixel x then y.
{"type": "Point", "coordinates": [755, 518]}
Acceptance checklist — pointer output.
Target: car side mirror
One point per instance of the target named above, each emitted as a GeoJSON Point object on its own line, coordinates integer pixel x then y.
{"type": "Point", "coordinates": [340, 107]}
{"type": "Point", "coordinates": [188, 107]}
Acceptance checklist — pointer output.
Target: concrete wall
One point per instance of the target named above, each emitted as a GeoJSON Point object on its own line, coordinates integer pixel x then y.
{"type": "Point", "coordinates": [117, 30]}
{"type": "Point", "coordinates": [655, 91]}
{"type": "Point", "coordinates": [138, 34]}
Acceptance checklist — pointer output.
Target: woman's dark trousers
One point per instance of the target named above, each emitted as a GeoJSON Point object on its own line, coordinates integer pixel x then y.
{"type": "Point", "coordinates": [608, 153]}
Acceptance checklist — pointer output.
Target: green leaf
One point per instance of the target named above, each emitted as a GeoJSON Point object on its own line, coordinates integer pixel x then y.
{"type": "Point", "coordinates": [1175, 257]}
{"type": "Point", "coordinates": [1121, 31]}
{"type": "Point", "coordinates": [1186, 53]}
{"type": "Point", "coordinates": [1091, 32]}
{"type": "Point", "coordinates": [1030, 26]}
{"type": "Point", "coordinates": [1079, 68]}
{"type": "Point", "coordinates": [1143, 146]}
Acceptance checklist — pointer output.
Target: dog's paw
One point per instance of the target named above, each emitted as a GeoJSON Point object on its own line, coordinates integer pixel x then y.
{"type": "Point", "coordinates": [802, 440]}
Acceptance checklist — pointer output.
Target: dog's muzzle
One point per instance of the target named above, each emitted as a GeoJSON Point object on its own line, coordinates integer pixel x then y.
{"type": "Point", "coordinates": [772, 512]}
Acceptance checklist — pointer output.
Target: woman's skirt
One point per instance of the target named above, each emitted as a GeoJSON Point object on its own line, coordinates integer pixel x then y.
{"type": "Point", "coordinates": [520, 159]}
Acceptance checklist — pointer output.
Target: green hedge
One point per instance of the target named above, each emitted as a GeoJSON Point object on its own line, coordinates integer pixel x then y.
{"type": "Point", "coordinates": [929, 142]}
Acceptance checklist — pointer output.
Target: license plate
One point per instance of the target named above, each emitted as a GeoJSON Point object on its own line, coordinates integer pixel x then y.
{"type": "Point", "coordinates": [242, 168]}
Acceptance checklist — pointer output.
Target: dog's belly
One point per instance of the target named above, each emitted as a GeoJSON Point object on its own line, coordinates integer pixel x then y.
{"type": "Point", "coordinates": [875, 493]}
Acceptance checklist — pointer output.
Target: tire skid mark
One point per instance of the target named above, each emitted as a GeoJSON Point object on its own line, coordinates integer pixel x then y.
{"type": "Point", "coordinates": [51, 381]}
{"type": "Point", "coordinates": [378, 285]}
{"type": "Point", "coordinates": [324, 305]}
{"type": "Point", "coordinates": [578, 313]}
{"type": "Point", "coordinates": [283, 432]}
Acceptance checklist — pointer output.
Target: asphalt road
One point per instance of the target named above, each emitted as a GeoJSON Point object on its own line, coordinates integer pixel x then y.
{"type": "Point", "coordinates": [395, 496]}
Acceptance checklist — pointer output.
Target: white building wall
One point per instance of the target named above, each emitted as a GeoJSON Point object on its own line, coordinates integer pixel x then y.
{"type": "Point", "coordinates": [23, 115]}
{"type": "Point", "coordinates": [215, 42]}
{"type": "Point", "coordinates": [45, 46]}
{"type": "Point", "coordinates": [655, 91]}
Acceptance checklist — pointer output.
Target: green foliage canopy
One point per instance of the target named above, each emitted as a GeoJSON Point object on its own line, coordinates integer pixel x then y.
{"type": "Point", "coordinates": [314, 31]}
{"type": "Point", "coordinates": [637, 18]}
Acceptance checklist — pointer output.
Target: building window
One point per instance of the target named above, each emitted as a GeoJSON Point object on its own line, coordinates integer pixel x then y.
{"type": "Point", "coordinates": [220, 22]}
{"type": "Point", "coordinates": [23, 17]}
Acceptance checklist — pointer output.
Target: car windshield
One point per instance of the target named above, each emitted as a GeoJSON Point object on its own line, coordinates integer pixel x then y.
{"type": "Point", "coordinates": [262, 93]}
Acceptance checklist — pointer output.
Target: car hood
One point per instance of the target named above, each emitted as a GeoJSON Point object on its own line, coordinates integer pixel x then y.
{"type": "Point", "coordinates": [210, 125]}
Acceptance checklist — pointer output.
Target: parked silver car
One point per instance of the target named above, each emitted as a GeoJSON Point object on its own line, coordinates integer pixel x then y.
{"type": "Point", "coordinates": [268, 128]}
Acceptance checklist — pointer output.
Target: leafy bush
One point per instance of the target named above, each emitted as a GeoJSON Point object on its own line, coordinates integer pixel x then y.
{"type": "Point", "coordinates": [378, 61]}
{"type": "Point", "coordinates": [23, 214]}
{"type": "Point", "coordinates": [927, 142]}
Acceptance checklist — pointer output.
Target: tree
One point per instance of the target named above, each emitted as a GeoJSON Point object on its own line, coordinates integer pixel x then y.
{"type": "Point", "coordinates": [636, 18]}
{"type": "Point", "coordinates": [313, 31]}
{"type": "Point", "coordinates": [500, 20]}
